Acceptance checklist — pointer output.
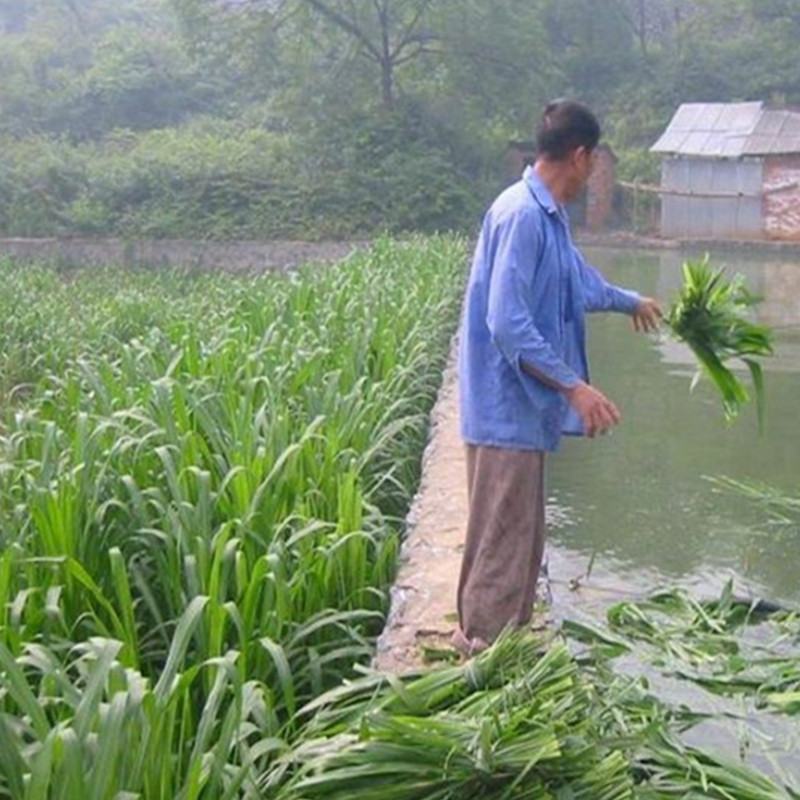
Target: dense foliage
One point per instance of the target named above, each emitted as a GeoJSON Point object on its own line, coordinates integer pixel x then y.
{"type": "Point", "coordinates": [263, 118]}
{"type": "Point", "coordinates": [202, 483]}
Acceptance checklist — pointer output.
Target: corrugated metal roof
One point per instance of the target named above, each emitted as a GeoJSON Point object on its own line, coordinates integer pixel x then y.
{"type": "Point", "coordinates": [730, 130]}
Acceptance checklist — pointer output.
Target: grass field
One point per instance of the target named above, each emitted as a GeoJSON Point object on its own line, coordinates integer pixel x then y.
{"type": "Point", "coordinates": [203, 480]}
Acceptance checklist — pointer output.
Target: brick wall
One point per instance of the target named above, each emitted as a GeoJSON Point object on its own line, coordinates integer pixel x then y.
{"type": "Point", "coordinates": [782, 208]}
{"type": "Point", "coordinates": [600, 191]}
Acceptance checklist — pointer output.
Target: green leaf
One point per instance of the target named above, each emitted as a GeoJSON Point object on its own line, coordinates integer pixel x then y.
{"type": "Point", "coordinates": [708, 317]}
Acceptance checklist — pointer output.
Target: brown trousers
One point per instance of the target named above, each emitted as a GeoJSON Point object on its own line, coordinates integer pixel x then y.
{"type": "Point", "coordinates": [504, 544]}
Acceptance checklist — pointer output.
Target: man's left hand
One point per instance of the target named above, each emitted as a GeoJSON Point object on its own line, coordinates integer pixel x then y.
{"type": "Point", "coordinates": [647, 316]}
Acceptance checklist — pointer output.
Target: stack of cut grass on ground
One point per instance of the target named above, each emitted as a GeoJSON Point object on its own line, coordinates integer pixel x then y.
{"type": "Point", "coordinates": [527, 720]}
{"type": "Point", "coordinates": [708, 317]}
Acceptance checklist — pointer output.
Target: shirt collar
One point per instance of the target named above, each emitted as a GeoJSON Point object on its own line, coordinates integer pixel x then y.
{"type": "Point", "coordinates": [540, 192]}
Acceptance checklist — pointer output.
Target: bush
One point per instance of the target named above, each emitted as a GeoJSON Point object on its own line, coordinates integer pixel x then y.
{"type": "Point", "coordinates": [222, 180]}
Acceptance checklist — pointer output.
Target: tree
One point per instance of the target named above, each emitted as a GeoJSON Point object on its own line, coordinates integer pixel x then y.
{"type": "Point", "coordinates": [652, 23]}
{"type": "Point", "coordinates": [84, 69]}
{"type": "Point", "coordinates": [497, 64]}
{"type": "Point", "coordinates": [14, 15]}
{"type": "Point", "coordinates": [595, 47]}
{"type": "Point", "coordinates": [387, 33]}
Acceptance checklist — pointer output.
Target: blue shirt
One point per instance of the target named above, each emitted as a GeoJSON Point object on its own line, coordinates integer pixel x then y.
{"type": "Point", "coordinates": [527, 297]}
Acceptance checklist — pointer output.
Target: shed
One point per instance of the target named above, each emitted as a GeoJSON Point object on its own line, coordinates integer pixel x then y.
{"type": "Point", "coordinates": [731, 171]}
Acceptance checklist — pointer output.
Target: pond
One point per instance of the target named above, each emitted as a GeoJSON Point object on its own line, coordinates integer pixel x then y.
{"type": "Point", "coordinates": [637, 509]}
{"type": "Point", "coordinates": [639, 500]}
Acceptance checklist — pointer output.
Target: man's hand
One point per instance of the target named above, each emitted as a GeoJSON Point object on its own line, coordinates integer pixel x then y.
{"type": "Point", "coordinates": [647, 316]}
{"type": "Point", "coordinates": [596, 411]}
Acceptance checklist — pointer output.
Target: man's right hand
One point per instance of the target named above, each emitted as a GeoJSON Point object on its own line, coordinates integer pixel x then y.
{"type": "Point", "coordinates": [596, 411]}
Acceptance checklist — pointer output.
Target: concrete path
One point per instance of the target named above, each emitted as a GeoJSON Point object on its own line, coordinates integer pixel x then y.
{"type": "Point", "coordinates": [423, 610]}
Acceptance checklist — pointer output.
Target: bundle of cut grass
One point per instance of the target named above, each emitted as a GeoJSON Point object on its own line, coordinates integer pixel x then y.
{"type": "Point", "coordinates": [525, 720]}
{"type": "Point", "coordinates": [519, 721]}
{"type": "Point", "coordinates": [708, 316]}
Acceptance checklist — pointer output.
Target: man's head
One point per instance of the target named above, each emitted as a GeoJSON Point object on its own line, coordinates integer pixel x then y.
{"type": "Point", "coordinates": [565, 142]}
{"type": "Point", "coordinates": [565, 126]}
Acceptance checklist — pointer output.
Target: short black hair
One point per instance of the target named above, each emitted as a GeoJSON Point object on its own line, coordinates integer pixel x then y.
{"type": "Point", "coordinates": [565, 126]}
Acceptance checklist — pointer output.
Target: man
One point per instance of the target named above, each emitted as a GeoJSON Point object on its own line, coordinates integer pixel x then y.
{"type": "Point", "coordinates": [523, 370]}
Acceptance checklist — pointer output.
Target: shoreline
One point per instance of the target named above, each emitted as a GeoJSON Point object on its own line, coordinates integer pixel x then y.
{"type": "Point", "coordinates": [285, 254]}
{"type": "Point", "coordinates": [626, 240]}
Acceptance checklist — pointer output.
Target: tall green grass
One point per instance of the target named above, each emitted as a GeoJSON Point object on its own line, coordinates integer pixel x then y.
{"type": "Point", "coordinates": [202, 485]}
{"type": "Point", "coordinates": [709, 317]}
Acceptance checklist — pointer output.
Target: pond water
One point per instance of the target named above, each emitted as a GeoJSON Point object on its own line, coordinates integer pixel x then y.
{"type": "Point", "coordinates": [637, 509]}
{"type": "Point", "coordinates": [639, 501]}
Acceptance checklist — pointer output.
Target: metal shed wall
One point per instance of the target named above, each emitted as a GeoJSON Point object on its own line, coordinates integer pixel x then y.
{"type": "Point", "coordinates": [713, 198]}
